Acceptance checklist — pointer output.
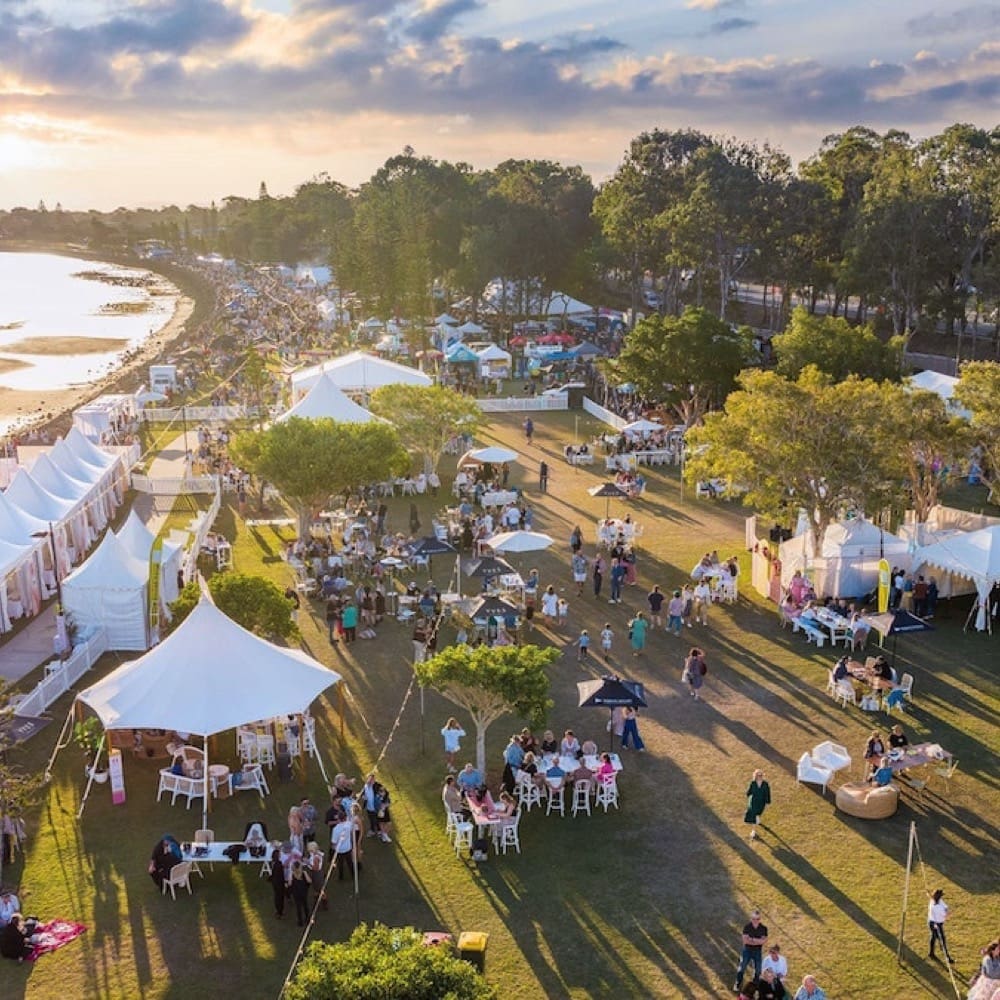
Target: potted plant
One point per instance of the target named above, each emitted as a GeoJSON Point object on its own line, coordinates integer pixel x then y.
{"type": "Point", "coordinates": [88, 733]}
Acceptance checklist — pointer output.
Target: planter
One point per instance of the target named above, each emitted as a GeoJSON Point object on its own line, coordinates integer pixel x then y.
{"type": "Point", "coordinates": [99, 776]}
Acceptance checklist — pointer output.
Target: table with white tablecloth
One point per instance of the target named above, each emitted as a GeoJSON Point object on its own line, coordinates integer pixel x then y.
{"type": "Point", "coordinates": [498, 498]}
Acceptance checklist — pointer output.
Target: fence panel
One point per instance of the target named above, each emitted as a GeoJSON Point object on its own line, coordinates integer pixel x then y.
{"type": "Point", "coordinates": [515, 404]}
{"type": "Point", "coordinates": [595, 410]}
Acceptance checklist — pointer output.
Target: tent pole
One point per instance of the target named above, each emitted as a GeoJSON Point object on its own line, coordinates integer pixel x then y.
{"type": "Point", "coordinates": [61, 742]}
{"type": "Point", "coordinates": [340, 707]}
{"type": "Point", "coordinates": [906, 891]}
{"type": "Point", "coordinates": [90, 776]}
{"type": "Point", "coordinates": [205, 789]}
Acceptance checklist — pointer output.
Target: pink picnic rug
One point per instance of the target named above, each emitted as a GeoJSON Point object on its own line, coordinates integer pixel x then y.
{"type": "Point", "coordinates": [54, 935]}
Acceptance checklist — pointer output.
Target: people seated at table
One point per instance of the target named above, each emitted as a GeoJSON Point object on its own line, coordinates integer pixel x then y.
{"type": "Point", "coordinates": [554, 772]}
{"type": "Point", "coordinates": [581, 773]}
{"type": "Point", "coordinates": [840, 671]}
{"type": "Point", "coordinates": [469, 779]}
{"type": "Point", "coordinates": [17, 940]}
{"type": "Point", "coordinates": [451, 796]}
{"type": "Point", "coordinates": [859, 631]}
{"type": "Point", "coordinates": [881, 775]}
{"type": "Point", "coordinates": [166, 854]}
{"type": "Point", "coordinates": [606, 769]}
{"type": "Point", "coordinates": [882, 669]}
{"type": "Point", "coordinates": [529, 766]}
{"type": "Point", "coordinates": [9, 905]}
{"type": "Point", "coordinates": [897, 738]}
{"type": "Point", "coordinates": [528, 742]}
{"type": "Point", "coordinates": [549, 744]}
{"type": "Point", "coordinates": [570, 745]}
{"type": "Point", "coordinates": [507, 806]}
{"type": "Point", "coordinates": [875, 747]}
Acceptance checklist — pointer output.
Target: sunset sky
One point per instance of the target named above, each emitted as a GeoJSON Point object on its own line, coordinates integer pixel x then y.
{"type": "Point", "coordinates": [104, 103]}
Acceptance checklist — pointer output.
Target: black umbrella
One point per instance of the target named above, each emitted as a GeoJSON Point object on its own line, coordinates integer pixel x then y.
{"type": "Point", "coordinates": [489, 567]}
{"type": "Point", "coordinates": [896, 623]}
{"type": "Point", "coordinates": [608, 490]}
{"type": "Point", "coordinates": [611, 692]}
{"type": "Point", "coordinates": [493, 607]}
{"type": "Point", "coordinates": [431, 546]}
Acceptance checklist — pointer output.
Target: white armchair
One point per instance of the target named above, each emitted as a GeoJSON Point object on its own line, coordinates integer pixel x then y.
{"type": "Point", "coordinates": [831, 755]}
{"type": "Point", "coordinates": [812, 772]}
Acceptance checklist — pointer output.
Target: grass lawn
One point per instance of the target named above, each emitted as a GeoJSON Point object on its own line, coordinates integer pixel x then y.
{"type": "Point", "coordinates": [648, 901]}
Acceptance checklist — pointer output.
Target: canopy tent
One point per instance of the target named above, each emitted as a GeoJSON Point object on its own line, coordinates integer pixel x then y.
{"type": "Point", "coordinates": [330, 313]}
{"type": "Point", "coordinates": [445, 319]}
{"type": "Point", "coordinates": [586, 350]}
{"type": "Point", "coordinates": [460, 354]}
{"type": "Point", "coordinates": [492, 454]}
{"type": "Point", "coordinates": [112, 462]}
{"type": "Point", "coordinates": [18, 525]}
{"type": "Point", "coordinates": [324, 399]}
{"type": "Point", "coordinates": [975, 556]}
{"type": "Point", "coordinates": [102, 417]}
{"type": "Point", "coordinates": [943, 386]}
{"type": "Point", "coordinates": [109, 589]}
{"type": "Point", "coordinates": [138, 541]}
{"type": "Point", "coordinates": [87, 494]}
{"type": "Point", "coordinates": [494, 361]}
{"type": "Point", "coordinates": [15, 561]}
{"type": "Point", "coordinates": [643, 426]}
{"type": "Point", "coordinates": [561, 304]}
{"type": "Point", "coordinates": [468, 327]}
{"type": "Point", "coordinates": [357, 372]}
{"type": "Point", "coordinates": [65, 515]}
{"type": "Point", "coordinates": [207, 676]}
{"type": "Point", "coordinates": [847, 565]}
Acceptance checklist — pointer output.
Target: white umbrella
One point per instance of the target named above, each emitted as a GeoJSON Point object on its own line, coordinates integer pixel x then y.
{"type": "Point", "coordinates": [519, 541]}
{"type": "Point", "coordinates": [149, 396]}
{"type": "Point", "coordinates": [642, 426]}
{"type": "Point", "coordinates": [493, 454]}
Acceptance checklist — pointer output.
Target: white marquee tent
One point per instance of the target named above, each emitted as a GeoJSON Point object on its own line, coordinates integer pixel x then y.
{"type": "Point", "coordinates": [324, 399]}
{"type": "Point", "coordinates": [974, 555]}
{"type": "Point", "coordinates": [15, 598]}
{"type": "Point", "coordinates": [109, 589]}
{"type": "Point", "coordinates": [207, 676]}
{"type": "Point", "coordinates": [561, 304]}
{"type": "Point", "coordinates": [494, 361]}
{"type": "Point", "coordinates": [943, 385]}
{"type": "Point", "coordinates": [356, 372]}
{"type": "Point", "coordinates": [847, 565]}
{"type": "Point", "coordinates": [138, 542]}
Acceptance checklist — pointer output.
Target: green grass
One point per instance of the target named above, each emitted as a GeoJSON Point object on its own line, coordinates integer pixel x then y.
{"type": "Point", "coordinates": [645, 902]}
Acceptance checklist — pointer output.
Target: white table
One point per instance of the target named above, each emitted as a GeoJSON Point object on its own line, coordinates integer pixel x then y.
{"type": "Point", "coordinates": [498, 498]}
{"type": "Point", "coordinates": [215, 853]}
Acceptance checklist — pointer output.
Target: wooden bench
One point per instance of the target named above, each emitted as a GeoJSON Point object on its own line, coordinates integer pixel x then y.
{"type": "Point", "coordinates": [813, 632]}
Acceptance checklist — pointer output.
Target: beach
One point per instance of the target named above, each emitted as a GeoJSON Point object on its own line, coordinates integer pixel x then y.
{"type": "Point", "coordinates": [45, 405]}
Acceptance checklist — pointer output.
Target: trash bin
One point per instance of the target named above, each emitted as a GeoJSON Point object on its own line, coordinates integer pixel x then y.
{"type": "Point", "coordinates": [472, 948]}
{"type": "Point", "coordinates": [284, 765]}
{"type": "Point", "coordinates": [574, 397]}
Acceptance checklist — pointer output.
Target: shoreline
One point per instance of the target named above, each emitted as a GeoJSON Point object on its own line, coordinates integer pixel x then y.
{"type": "Point", "coordinates": [42, 408]}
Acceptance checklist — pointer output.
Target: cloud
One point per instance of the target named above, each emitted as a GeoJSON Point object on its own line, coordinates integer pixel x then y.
{"type": "Point", "coordinates": [435, 19]}
{"type": "Point", "coordinates": [712, 4]}
{"type": "Point", "coordinates": [731, 24]}
{"type": "Point", "coordinates": [974, 20]}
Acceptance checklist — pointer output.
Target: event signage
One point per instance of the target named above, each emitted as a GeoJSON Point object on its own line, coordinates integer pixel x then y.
{"type": "Point", "coordinates": [117, 776]}
{"type": "Point", "coordinates": [884, 582]}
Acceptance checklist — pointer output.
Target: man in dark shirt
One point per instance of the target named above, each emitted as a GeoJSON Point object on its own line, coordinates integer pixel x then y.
{"type": "Point", "coordinates": [754, 939]}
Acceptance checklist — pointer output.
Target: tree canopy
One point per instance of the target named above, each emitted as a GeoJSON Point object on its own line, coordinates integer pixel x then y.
{"type": "Point", "coordinates": [311, 460]}
{"type": "Point", "coordinates": [426, 418]}
{"type": "Point", "coordinates": [688, 361]}
{"type": "Point", "coordinates": [377, 962]}
{"type": "Point", "coordinates": [978, 390]}
{"type": "Point", "coordinates": [254, 602]}
{"type": "Point", "coordinates": [489, 682]}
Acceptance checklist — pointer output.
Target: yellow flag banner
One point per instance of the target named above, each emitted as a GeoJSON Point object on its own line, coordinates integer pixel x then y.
{"type": "Point", "coordinates": [884, 583]}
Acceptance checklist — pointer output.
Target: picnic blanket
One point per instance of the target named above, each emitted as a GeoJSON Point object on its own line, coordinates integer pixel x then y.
{"type": "Point", "coordinates": [54, 935]}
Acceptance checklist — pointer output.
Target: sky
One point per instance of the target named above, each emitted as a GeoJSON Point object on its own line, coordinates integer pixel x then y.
{"type": "Point", "coordinates": [155, 102]}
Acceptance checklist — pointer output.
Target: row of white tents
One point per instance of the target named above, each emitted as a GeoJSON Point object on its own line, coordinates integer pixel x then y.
{"type": "Point", "coordinates": [50, 515]}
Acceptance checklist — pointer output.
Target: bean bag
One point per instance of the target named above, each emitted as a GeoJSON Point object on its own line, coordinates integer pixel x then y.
{"type": "Point", "coordinates": [868, 801]}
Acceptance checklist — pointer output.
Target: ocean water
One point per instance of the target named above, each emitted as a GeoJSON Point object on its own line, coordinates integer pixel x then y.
{"type": "Point", "coordinates": [45, 296]}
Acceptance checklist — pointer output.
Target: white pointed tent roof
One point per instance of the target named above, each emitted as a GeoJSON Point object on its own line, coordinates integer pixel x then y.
{"type": "Point", "coordinates": [207, 676]}
{"type": "Point", "coordinates": [138, 539]}
{"type": "Point", "coordinates": [561, 304]}
{"type": "Point", "coordinates": [493, 353]}
{"type": "Point", "coordinates": [53, 479]}
{"type": "Point", "coordinates": [445, 319]}
{"type": "Point", "coordinates": [88, 451]}
{"type": "Point", "coordinates": [860, 536]}
{"type": "Point", "coordinates": [470, 327]}
{"type": "Point", "coordinates": [359, 371]}
{"type": "Point", "coordinates": [63, 457]}
{"type": "Point", "coordinates": [111, 566]}
{"type": "Point", "coordinates": [17, 525]}
{"type": "Point", "coordinates": [11, 556]}
{"type": "Point", "coordinates": [324, 399]}
{"type": "Point", "coordinates": [31, 497]}
{"type": "Point", "coordinates": [973, 554]}
{"type": "Point", "coordinates": [943, 385]}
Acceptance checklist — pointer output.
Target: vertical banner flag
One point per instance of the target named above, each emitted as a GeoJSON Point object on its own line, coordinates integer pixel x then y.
{"type": "Point", "coordinates": [117, 776]}
{"type": "Point", "coordinates": [884, 582]}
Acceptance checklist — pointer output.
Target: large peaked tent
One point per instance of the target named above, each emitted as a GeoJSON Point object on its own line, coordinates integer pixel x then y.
{"type": "Point", "coordinates": [138, 541]}
{"type": "Point", "coordinates": [357, 372]}
{"type": "Point", "coordinates": [324, 399]}
{"type": "Point", "coordinates": [207, 676]}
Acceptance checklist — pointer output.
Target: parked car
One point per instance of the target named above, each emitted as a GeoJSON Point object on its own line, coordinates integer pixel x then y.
{"type": "Point", "coordinates": [651, 299]}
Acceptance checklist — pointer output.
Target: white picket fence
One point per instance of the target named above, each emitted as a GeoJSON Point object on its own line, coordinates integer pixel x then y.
{"type": "Point", "coordinates": [196, 414]}
{"type": "Point", "coordinates": [514, 404]}
{"type": "Point", "coordinates": [61, 675]}
{"type": "Point", "coordinates": [175, 487]}
{"type": "Point", "coordinates": [595, 410]}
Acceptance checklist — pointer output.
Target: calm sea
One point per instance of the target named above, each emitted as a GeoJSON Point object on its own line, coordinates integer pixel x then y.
{"type": "Point", "coordinates": [45, 296]}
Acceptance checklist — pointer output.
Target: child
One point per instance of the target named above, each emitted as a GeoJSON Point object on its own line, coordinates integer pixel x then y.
{"type": "Point", "coordinates": [583, 643]}
{"type": "Point", "coordinates": [607, 635]}
{"type": "Point", "coordinates": [563, 612]}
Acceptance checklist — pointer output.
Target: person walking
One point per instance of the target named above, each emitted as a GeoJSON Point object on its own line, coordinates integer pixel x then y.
{"type": "Point", "coordinates": [543, 477]}
{"type": "Point", "coordinates": [702, 599]}
{"type": "Point", "coordinates": [298, 888]}
{"type": "Point", "coordinates": [597, 573]}
{"type": "Point", "coordinates": [630, 730]}
{"type": "Point", "coordinates": [754, 938]}
{"type": "Point", "coordinates": [675, 612]}
{"type": "Point", "coordinates": [617, 576]}
{"type": "Point", "coordinates": [655, 599]}
{"type": "Point", "coordinates": [937, 914]}
{"type": "Point", "coordinates": [758, 799]}
{"type": "Point", "coordinates": [452, 734]}
{"type": "Point", "coordinates": [637, 633]}
{"type": "Point", "coordinates": [607, 638]}
{"type": "Point", "coordinates": [278, 883]}
{"type": "Point", "coordinates": [579, 566]}
{"type": "Point", "coordinates": [583, 647]}
{"type": "Point", "coordinates": [695, 669]}
{"type": "Point", "coordinates": [529, 429]}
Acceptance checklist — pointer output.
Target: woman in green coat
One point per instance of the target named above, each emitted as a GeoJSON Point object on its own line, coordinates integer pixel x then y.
{"type": "Point", "coordinates": [758, 798]}
{"type": "Point", "coordinates": [637, 633]}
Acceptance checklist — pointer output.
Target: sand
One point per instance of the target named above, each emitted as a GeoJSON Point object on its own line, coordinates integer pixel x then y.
{"type": "Point", "coordinates": [10, 365]}
{"type": "Point", "coordinates": [65, 345]}
{"type": "Point", "coordinates": [51, 403]}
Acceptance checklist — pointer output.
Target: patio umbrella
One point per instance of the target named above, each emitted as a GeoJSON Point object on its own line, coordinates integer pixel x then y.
{"type": "Point", "coordinates": [896, 623]}
{"type": "Point", "coordinates": [494, 455]}
{"type": "Point", "coordinates": [489, 567]}
{"type": "Point", "coordinates": [642, 426]}
{"type": "Point", "coordinates": [608, 490]}
{"type": "Point", "coordinates": [519, 541]}
{"type": "Point", "coordinates": [431, 545]}
{"type": "Point", "coordinates": [611, 692]}
{"type": "Point", "coordinates": [492, 607]}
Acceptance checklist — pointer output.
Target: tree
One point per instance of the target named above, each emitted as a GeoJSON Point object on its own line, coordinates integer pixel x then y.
{"type": "Point", "coordinates": [489, 682]}
{"type": "Point", "coordinates": [426, 418]}
{"type": "Point", "coordinates": [978, 390]}
{"type": "Point", "coordinates": [688, 361]}
{"type": "Point", "coordinates": [311, 460]}
{"type": "Point", "coordinates": [836, 347]}
{"type": "Point", "coordinates": [258, 604]}
{"type": "Point", "coordinates": [807, 443]}
{"type": "Point", "coordinates": [378, 962]}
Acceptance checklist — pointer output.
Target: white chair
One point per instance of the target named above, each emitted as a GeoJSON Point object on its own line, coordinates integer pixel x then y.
{"type": "Point", "coordinates": [906, 686]}
{"type": "Point", "coordinates": [203, 837]}
{"type": "Point", "coordinates": [607, 793]}
{"type": "Point", "coordinates": [463, 837]}
{"type": "Point", "coordinates": [451, 819]}
{"type": "Point", "coordinates": [946, 772]}
{"type": "Point", "coordinates": [508, 834]}
{"type": "Point", "coordinates": [815, 774]}
{"type": "Point", "coordinates": [581, 796]}
{"type": "Point", "coordinates": [180, 875]}
{"type": "Point", "coordinates": [253, 780]}
{"type": "Point", "coordinates": [831, 684]}
{"type": "Point", "coordinates": [557, 799]}
{"type": "Point", "coordinates": [845, 693]}
{"type": "Point", "coordinates": [528, 793]}
{"type": "Point", "coordinates": [831, 755]}
{"type": "Point", "coordinates": [265, 751]}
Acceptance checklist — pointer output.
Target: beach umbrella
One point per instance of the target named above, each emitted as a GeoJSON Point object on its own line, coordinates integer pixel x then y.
{"type": "Point", "coordinates": [610, 692]}
{"type": "Point", "coordinates": [608, 490]}
{"type": "Point", "coordinates": [493, 455]}
{"type": "Point", "coordinates": [519, 541]}
{"type": "Point", "coordinates": [896, 623]}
